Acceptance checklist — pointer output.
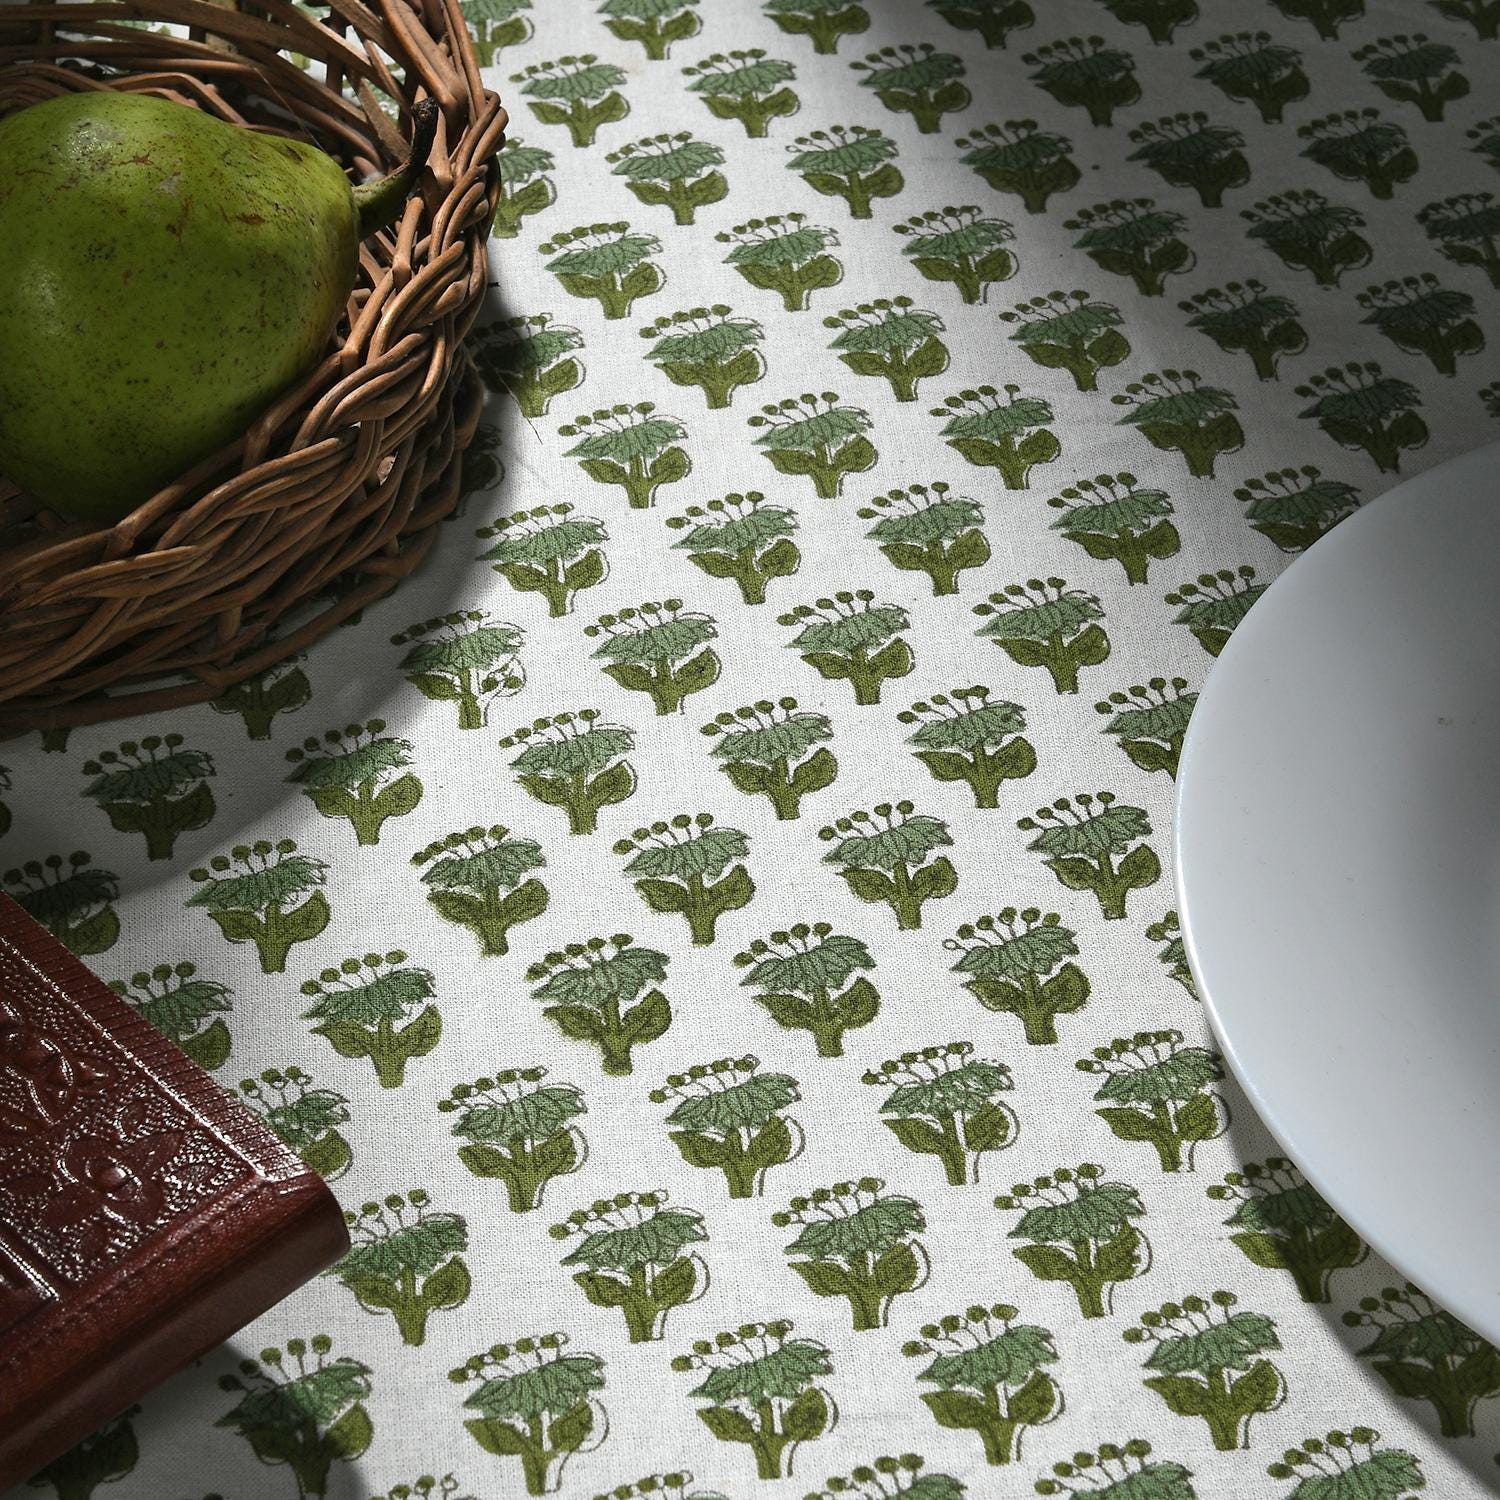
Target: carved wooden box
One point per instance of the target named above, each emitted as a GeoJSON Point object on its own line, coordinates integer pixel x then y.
{"type": "Point", "coordinates": [145, 1215]}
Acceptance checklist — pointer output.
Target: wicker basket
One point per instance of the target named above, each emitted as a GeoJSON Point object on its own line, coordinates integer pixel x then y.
{"type": "Point", "coordinates": [337, 490]}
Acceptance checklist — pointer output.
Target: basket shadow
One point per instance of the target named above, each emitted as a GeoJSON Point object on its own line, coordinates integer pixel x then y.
{"type": "Point", "coordinates": [1363, 1389]}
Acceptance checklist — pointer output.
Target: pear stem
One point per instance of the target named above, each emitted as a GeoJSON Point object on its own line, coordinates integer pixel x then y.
{"type": "Point", "coordinates": [379, 203]}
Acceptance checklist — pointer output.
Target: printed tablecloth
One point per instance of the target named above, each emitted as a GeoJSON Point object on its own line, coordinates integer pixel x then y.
{"type": "Point", "coordinates": [713, 925]}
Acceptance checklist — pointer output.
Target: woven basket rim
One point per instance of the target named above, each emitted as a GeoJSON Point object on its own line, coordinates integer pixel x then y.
{"type": "Point", "coordinates": [328, 491]}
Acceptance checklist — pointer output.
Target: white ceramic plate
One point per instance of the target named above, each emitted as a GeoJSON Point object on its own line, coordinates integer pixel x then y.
{"type": "Point", "coordinates": [1338, 868]}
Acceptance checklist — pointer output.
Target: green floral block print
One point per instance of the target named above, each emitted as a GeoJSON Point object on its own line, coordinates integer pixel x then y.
{"type": "Point", "coordinates": [655, 24]}
{"type": "Point", "coordinates": [1161, 18]}
{"type": "Point", "coordinates": [1047, 624]}
{"type": "Point", "coordinates": [1360, 407]}
{"type": "Point", "coordinates": [634, 447]}
{"type": "Point", "coordinates": [357, 773]}
{"type": "Point", "coordinates": [784, 254]}
{"type": "Point", "coordinates": [1421, 316]}
{"type": "Point", "coordinates": [729, 1117]}
{"type": "Point", "coordinates": [633, 1250]}
{"type": "Point", "coordinates": [1482, 15]}
{"type": "Point", "coordinates": [608, 263]}
{"type": "Point", "coordinates": [1252, 68]}
{"type": "Point", "coordinates": [264, 894]}
{"type": "Point", "coordinates": [604, 991]}
{"type": "Point", "coordinates": [105, 1456]}
{"type": "Point", "coordinates": [465, 658]}
{"type": "Point", "coordinates": [681, 867]}
{"type": "Point", "coordinates": [537, 1402]}
{"type": "Point", "coordinates": [1086, 74]}
{"type": "Point", "coordinates": [360, 1005]}
{"type": "Point", "coordinates": [1282, 1223]}
{"type": "Point", "coordinates": [747, 86]}
{"type": "Point", "coordinates": [155, 787]}
{"type": "Point", "coordinates": [518, 1128]}
{"type": "Point", "coordinates": [406, 1260]}
{"type": "Point", "coordinates": [74, 905]}
{"type": "Point", "coordinates": [1326, 16]}
{"type": "Point", "coordinates": [1120, 1471]}
{"type": "Point", "coordinates": [660, 649]}
{"type": "Point", "coordinates": [529, 358]}
{"type": "Point", "coordinates": [1208, 1361]}
{"type": "Point", "coordinates": [1155, 1090]}
{"type": "Point", "coordinates": [811, 330]}
{"type": "Point", "coordinates": [303, 1409]}
{"type": "Point", "coordinates": [990, 1376]}
{"type": "Point", "coordinates": [767, 749]}
{"type": "Point", "coordinates": [1348, 1465]}
{"type": "Point", "coordinates": [1213, 604]}
{"type": "Point", "coordinates": [742, 538]}
{"type": "Point", "coordinates": [1173, 956]}
{"type": "Point", "coordinates": [1018, 157]}
{"type": "Point", "coordinates": [816, 437]}
{"type": "Point", "coordinates": [760, 1388]}
{"type": "Point", "coordinates": [479, 878]}
{"type": "Point", "coordinates": [991, 21]}
{"type": "Point", "coordinates": [306, 1117]}
{"type": "Point", "coordinates": [893, 1474]}
{"type": "Point", "coordinates": [960, 246]}
{"type": "Point", "coordinates": [1069, 331]}
{"type": "Point", "coordinates": [1114, 518]}
{"type": "Point", "coordinates": [916, 80]}
{"type": "Point", "coordinates": [707, 347]}
{"type": "Point", "coordinates": [184, 1008]}
{"type": "Point", "coordinates": [548, 550]}
{"type": "Point", "coordinates": [1246, 317]}
{"type": "Point", "coordinates": [494, 25]}
{"type": "Point", "coordinates": [850, 638]}
{"type": "Point", "coordinates": [886, 856]}
{"type": "Point", "coordinates": [1357, 145]}
{"type": "Point", "coordinates": [803, 975]}
{"type": "Point", "coordinates": [855, 163]}
{"type": "Point", "coordinates": [1187, 150]}
{"type": "Point", "coordinates": [674, 1485]}
{"type": "Point", "coordinates": [1464, 229]}
{"type": "Point", "coordinates": [426, 1487]}
{"type": "Point", "coordinates": [1079, 1228]}
{"type": "Point", "coordinates": [1426, 1354]}
{"type": "Point", "coordinates": [823, 22]}
{"type": "Point", "coordinates": [1018, 964]}
{"type": "Point", "coordinates": [1135, 239]}
{"type": "Point", "coordinates": [1174, 411]}
{"type": "Point", "coordinates": [574, 762]}
{"type": "Point", "coordinates": [1011, 436]}
{"type": "Point", "coordinates": [581, 93]}
{"type": "Point", "coordinates": [1083, 836]}
{"type": "Point", "coordinates": [945, 1102]}
{"type": "Point", "coordinates": [964, 736]}
{"type": "Point", "coordinates": [1150, 721]}
{"type": "Point", "coordinates": [1309, 233]}
{"type": "Point", "coordinates": [676, 172]}
{"type": "Point", "coordinates": [892, 339]}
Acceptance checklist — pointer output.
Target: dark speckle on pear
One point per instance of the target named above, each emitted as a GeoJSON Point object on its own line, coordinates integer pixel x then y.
{"type": "Point", "coordinates": [201, 268]}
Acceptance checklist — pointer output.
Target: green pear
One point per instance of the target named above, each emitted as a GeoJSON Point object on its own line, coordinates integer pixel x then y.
{"type": "Point", "coordinates": [166, 277]}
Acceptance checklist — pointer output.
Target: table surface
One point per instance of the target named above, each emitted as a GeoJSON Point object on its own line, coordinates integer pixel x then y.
{"type": "Point", "coordinates": [891, 412]}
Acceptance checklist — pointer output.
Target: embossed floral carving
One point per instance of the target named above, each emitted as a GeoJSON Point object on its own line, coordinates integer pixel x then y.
{"type": "Point", "coordinates": [45, 1080]}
